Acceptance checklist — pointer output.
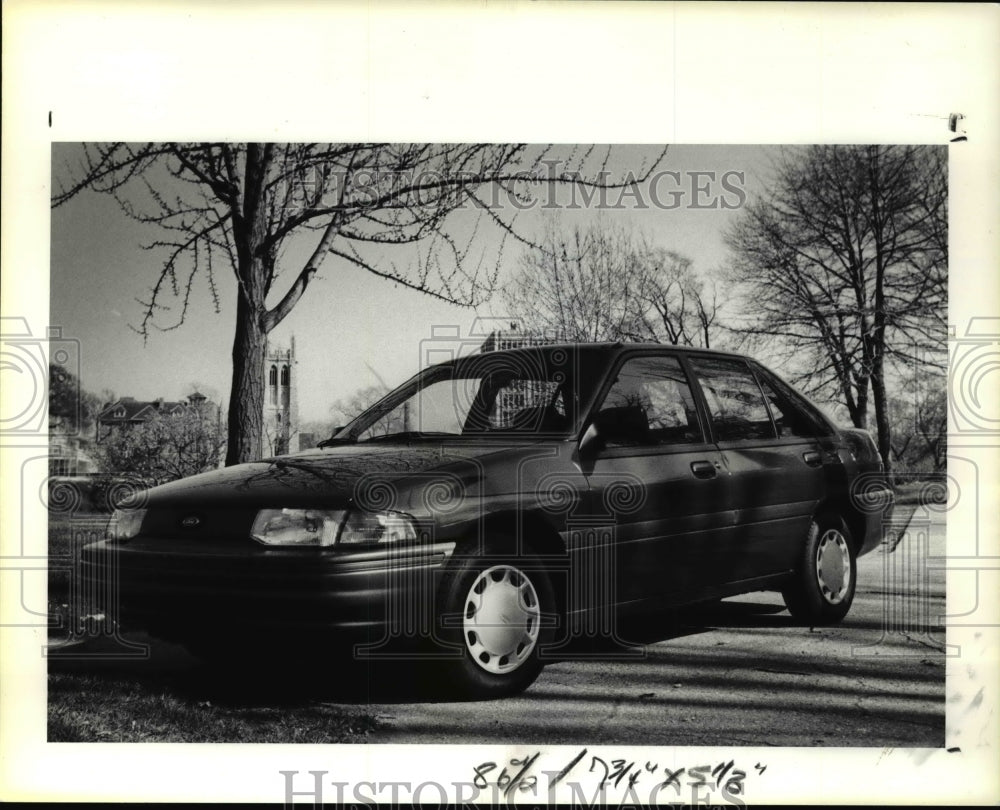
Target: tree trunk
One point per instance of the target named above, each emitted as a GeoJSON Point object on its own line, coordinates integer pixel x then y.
{"type": "Point", "coordinates": [860, 415]}
{"type": "Point", "coordinates": [882, 415]}
{"type": "Point", "coordinates": [246, 399]}
{"type": "Point", "coordinates": [254, 271]}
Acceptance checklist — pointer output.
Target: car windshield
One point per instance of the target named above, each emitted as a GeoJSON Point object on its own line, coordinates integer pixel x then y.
{"type": "Point", "coordinates": [502, 394]}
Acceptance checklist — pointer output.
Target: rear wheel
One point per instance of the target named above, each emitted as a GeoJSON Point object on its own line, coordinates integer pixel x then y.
{"type": "Point", "coordinates": [496, 606]}
{"type": "Point", "coordinates": [823, 588]}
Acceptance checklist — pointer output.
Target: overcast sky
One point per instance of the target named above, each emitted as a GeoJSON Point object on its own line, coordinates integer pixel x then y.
{"type": "Point", "coordinates": [351, 328]}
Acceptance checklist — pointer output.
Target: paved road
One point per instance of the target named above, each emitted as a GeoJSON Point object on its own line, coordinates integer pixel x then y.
{"type": "Point", "coordinates": [741, 672]}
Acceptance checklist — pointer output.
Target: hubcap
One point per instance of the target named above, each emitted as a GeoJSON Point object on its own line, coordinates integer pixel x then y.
{"type": "Point", "coordinates": [501, 619]}
{"type": "Point", "coordinates": [833, 566]}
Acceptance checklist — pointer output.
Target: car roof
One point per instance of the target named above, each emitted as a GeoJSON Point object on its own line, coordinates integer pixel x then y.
{"type": "Point", "coordinates": [610, 347]}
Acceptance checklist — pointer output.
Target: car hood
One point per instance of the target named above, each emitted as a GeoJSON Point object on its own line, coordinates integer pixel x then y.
{"type": "Point", "coordinates": [313, 477]}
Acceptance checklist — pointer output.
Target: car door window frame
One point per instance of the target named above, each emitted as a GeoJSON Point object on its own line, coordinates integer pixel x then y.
{"type": "Point", "coordinates": [688, 362]}
{"type": "Point", "coordinates": [658, 448]}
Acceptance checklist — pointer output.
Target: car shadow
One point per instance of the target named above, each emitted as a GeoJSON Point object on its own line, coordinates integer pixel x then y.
{"type": "Point", "coordinates": [651, 626]}
{"type": "Point", "coordinates": [337, 674]}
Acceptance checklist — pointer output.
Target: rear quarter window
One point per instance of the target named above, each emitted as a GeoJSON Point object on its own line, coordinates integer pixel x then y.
{"type": "Point", "coordinates": [794, 415]}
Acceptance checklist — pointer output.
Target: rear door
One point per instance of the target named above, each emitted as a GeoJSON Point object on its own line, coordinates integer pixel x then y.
{"type": "Point", "coordinates": [660, 495]}
{"type": "Point", "coordinates": [774, 462]}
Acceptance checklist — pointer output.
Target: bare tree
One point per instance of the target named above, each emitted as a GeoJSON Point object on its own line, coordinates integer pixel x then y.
{"type": "Point", "coordinates": [603, 283]}
{"type": "Point", "coordinates": [673, 305]}
{"type": "Point", "coordinates": [920, 424]}
{"type": "Point", "coordinates": [347, 408]}
{"type": "Point", "coordinates": [235, 206]}
{"type": "Point", "coordinates": [843, 265]}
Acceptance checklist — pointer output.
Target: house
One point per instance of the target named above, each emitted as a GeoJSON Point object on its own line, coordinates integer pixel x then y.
{"type": "Point", "coordinates": [69, 450]}
{"type": "Point", "coordinates": [128, 411]}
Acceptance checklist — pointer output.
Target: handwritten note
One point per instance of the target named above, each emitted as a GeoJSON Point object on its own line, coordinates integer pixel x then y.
{"type": "Point", "coordinates": [592, 777]}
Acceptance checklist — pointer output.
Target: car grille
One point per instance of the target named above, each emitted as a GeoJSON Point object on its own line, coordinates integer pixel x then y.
{"type": "Point", "coordinates": [194, 523]}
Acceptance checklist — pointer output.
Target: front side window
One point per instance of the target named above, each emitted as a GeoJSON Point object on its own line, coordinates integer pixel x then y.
{"type": "Point", "coordinates": [650, 402]}
{"type": "Point", "coordinates": [735, 402]}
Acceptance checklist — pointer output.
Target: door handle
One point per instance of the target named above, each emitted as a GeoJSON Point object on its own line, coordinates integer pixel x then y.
{"type": "Point", "coordinates": [812, 458]}
{"type": "Point", "coordinates": [703, 469]}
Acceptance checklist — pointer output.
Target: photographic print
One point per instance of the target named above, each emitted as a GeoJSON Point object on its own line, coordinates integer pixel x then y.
{"type": "Point", "coordinates": [587, 469]}
{"type": "Point", "coordinates": [572, 496]}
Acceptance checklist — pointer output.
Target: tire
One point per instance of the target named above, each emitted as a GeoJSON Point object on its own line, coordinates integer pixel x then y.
{"type": "Point", "coordinates": [822, 590]}
{"type": "Point", "coordinates": [497, 604]}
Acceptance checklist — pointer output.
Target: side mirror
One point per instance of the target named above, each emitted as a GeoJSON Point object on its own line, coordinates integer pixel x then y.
{"type": "Point", "coordinates": [626, 425]}
{"type": "Point", "coordinates": [591, 442]}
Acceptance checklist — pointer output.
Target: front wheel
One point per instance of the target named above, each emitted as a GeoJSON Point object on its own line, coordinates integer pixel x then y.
{"type": "Point", "coordinates": [823, 588]}
{"type": "Point", "coordinates": [496, 608]}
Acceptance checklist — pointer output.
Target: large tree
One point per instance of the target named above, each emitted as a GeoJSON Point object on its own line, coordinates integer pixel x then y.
{"type": "Point", "coordinates": [236, 206]}
{"type": "Point", "coordinates": [607, 283]}
{"type": "Point", "coordinates": [843, 264]}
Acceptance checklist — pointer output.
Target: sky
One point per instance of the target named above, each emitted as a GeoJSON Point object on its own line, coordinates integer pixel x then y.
{"type": "Point", "coordinates": [351, 328]}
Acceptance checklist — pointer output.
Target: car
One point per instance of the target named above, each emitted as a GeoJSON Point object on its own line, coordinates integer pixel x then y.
{"type": "Point", "coordinates": [497, 506]}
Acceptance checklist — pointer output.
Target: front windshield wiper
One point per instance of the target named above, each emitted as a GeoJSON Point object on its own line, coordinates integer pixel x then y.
{"type": "Point", "coordinates": [334, 440]}
{"type": "Point", "coordinates": [407, 435]}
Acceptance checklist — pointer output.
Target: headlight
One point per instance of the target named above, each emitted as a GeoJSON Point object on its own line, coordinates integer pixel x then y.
{"type": "Point", "coordinates": [297, 527]}
{"type": "Point", "coordinates": [125, 524]}
{"type": "Point", "coordinates": [377, 527]}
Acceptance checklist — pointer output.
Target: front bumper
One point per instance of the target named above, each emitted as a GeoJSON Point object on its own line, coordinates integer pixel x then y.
{"type": "Point", "coordinates": [183, 590]}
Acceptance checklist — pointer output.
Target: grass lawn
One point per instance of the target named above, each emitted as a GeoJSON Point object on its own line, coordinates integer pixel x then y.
{"type": "Point", "coordinates": [89, 707]}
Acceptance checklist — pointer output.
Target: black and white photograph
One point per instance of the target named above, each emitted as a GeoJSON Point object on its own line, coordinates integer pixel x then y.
{"type": "Point", "coordinates": [618, 469]}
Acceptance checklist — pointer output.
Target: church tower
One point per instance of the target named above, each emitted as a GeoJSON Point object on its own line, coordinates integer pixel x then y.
{"type": "Point", "coordinates": [281, 401]}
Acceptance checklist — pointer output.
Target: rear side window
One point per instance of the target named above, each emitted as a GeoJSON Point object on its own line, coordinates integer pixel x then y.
{"type": "Point", "coordinates": [653, 393]}
{"type": "Point", "coordinates": [788, 420]}
{"type": "Point", "coordinates": [735, 402]}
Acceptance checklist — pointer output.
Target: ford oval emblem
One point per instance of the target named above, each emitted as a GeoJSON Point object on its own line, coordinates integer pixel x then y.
{"type": "Point", "coordinates": [191, 521]}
